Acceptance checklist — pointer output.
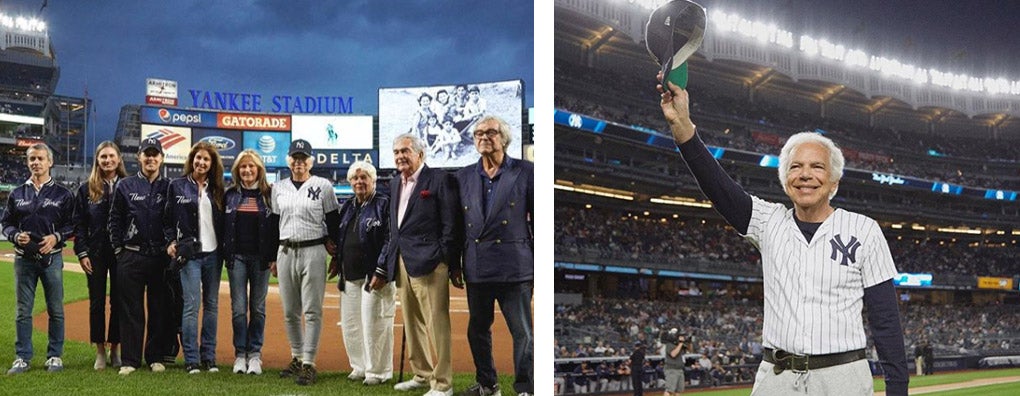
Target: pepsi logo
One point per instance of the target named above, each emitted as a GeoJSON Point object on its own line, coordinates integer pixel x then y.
{"type": "Point", "coordinates": [164, 115]}
{"type": "Point", "coordinates": [221, 143]}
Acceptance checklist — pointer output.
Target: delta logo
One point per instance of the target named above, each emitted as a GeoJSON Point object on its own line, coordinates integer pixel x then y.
{"type": "Point", "coordinates": [166, 137]}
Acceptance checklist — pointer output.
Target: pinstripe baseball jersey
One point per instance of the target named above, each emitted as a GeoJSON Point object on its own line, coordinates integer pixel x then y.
{"type": "Point", "coordinates": [814, 290]}
{"type": "Point", "coordinates": [303, 211]}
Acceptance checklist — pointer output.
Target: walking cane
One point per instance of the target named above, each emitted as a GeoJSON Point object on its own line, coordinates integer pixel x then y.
{"type": "Point", "coordinates": [403, 346]}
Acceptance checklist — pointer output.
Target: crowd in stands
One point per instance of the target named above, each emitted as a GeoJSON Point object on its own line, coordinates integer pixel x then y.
{"type": "Point", "coordinates": [617, 234]}
{"type": "Point", "coordinates": [733, 123]}
{"type": "Point", "coordinates": [727, 327]}
{"type": "Point", "coordinates": [611, 234]}
{"type": "Point", "coordinates": [13, 171]}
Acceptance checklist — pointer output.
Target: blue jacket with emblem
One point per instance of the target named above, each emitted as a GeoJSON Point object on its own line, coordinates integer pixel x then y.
{"type": "Point", "coordinates": [269, 231]}
{"type": "Point", "coordinates": [136, 214]}
{"type": "Point", "coordinates": [373, 228]}
{"type": "Point", "coordinates": [500, 246]}
{"type": "Point", "coordinates": [48, 211]}
{"type": "Point", "coordinates": [91, 221]}
{"type": "Point", "coordinates": [180, 218]}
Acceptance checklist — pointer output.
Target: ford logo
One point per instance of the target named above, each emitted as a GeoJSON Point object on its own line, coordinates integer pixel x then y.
{"type": "Point", "coordinates": [221, 143]}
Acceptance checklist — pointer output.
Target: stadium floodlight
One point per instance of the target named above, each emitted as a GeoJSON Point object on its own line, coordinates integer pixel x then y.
{"type": "Point", "coordinates": [856, 58]}
{"type": "Point", "coordinates": [594, 190]}
{"type": "Point", "coordinates": [681, 201]}
{"type": "Point", "coordinates": [808, 45]}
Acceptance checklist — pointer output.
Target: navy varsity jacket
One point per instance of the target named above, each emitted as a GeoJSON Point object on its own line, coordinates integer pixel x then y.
{"type": "Point", "coordinates": [372, 227]}
{"type": "Point", "coordinates": [180, 217]}
{"type": "Point", "coordinates": [269, 231]}
{"type": "Point", "coordinates": [48, 211]}
{"type": "Point", "coordinates": [136, 215]}
{"type": "Point", "coordinates": [91, 221]}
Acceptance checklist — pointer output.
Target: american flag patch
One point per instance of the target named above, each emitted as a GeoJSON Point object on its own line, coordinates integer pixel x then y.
{"type": "Point", "coordinates": [248, 205]}
{"type": "Point", "coordinates": [166, 137]}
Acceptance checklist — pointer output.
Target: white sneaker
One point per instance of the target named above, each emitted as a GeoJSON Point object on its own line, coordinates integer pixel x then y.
{"type": "Point", "coordinates": [19, 366]}
{"type": "Point", "coordinates": [100, 362]}
{"type": "Point", "coordinates": [125, 370]}
{"type": "Point", "coordinates": [255, 366]}
{"type": "Point", "coordinates": [157, 367]}
{"type": "Point", "coordinates": [356, 376]}
{"type": "Point", "coordinates": [409, 385]}
{"type": "Point", "coordinates": [240, 365]}
{"type": "Point", "coordinates": [54, 364]}
{"type": "Point", "coordinates": [433, 392]}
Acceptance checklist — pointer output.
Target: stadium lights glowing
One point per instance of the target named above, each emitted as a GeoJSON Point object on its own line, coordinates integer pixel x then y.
{"type": "Point", "coordinates": [854, 58]}
{"type": "Point", "coordinates": [20, 119]}
{"type": "Point", "coordinates": [22, 23]}
{"type": "Point", "coordinates": [975, 231]}
{"type": "Point", "coordinates": [681, 201]}
{"type": "Point", "coordinates": [757, 30]}
{"type": "Point", "coordinates": [594, 190]}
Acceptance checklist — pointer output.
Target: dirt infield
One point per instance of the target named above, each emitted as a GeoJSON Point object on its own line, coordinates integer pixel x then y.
{"type": "Point", "coordinates": [332, 355]}
{"type": "Point", "coordinates": [959, 385]}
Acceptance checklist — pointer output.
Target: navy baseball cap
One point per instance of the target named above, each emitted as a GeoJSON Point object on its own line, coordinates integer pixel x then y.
{"type": "Point", "coordinates": [300, 146]}
{"type": "Point", "coordinates": [674, 31]}
{"type": "Point", "coordinates": [150, 143]}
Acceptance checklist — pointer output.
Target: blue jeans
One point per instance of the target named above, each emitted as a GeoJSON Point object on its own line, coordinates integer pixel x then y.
{"type": "Point", "coordinates": [515, 302]}
{"type": "Point", "coordinates": [200, 278]}
{"type": "Point", "coordinates": [27, 274]}
{"type": "Point", "coordinates": [248, 334]}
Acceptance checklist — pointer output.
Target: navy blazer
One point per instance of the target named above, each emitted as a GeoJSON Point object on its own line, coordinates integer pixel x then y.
{"type": "Point", "coordinates": [499, 247]}
{"type": "Point", "coordinates": [431, 231]}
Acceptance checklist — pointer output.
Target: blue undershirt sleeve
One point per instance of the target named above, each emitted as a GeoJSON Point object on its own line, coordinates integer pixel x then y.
{"type": "Point", "coordinates": [730, 200]}
{"type": "Point", "coordinates": [884, 321]}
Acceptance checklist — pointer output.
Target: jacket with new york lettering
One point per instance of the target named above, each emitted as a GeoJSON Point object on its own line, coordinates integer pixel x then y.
{"type": "Point", "coordinates": [180, 218]}
{"type": "Point", "coordinates": [136, 214]}
{"type": "Point", "coordinates": [48, 211]}
{"type": "Point", "coordinates": [91, 221]}
{"type": "Point", "coordinates": [372, 228]}
{"type": "Point", "coordinates": [268, 231]}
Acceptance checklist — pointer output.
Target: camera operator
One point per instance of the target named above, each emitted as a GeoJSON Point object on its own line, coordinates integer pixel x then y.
{"type": "Point", "coordinates": [674, 361]}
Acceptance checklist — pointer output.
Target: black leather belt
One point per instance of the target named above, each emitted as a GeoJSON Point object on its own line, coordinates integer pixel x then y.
{"type": "Point", "coordinates": [288, 244]}
{"type": "Point", "coordinates": [784, 360]}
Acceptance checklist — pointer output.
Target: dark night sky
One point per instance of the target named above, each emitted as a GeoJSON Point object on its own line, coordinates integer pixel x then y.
{"type": "Point", "coordinates": [977, 38]}
{"type": "Point", "coordinates": [292, 47]}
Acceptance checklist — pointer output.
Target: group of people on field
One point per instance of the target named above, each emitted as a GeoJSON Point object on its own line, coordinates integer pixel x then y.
{"type": "Point", "coordinates": [165, 242]}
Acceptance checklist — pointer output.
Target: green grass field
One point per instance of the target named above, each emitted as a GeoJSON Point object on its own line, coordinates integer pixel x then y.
{"type": "Point", "coordinates": [78, 377]}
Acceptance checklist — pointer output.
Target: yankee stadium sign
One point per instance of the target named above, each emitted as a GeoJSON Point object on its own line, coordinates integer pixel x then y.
{"type": "Point", "coordinates": [249, 102]}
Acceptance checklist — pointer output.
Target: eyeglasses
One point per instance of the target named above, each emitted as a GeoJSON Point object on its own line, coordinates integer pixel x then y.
{"type": "Point", "coordinates": [487, 132]}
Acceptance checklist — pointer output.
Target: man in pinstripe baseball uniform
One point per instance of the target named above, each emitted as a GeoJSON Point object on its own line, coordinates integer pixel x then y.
{"type": "Point", "coordinates": [821, 266]}
{"type": "Point", "coordinates": [308, 215]}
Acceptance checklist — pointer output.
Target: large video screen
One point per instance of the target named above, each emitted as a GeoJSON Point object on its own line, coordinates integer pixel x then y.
{"type": "Point", "coordinates": [444, 116]}
{"type": "Point", "coordinates": [337, 141]}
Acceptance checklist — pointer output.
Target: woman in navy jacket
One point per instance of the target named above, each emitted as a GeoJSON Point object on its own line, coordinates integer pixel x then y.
{"type": "Point", "coordinates": [94, 251]}
{"type": "Point", "coordinates": [366, 317]}
{"type": "Point", "coordinates": [250, 241]}
{"type": "Point", "coordinates": [192, 228]}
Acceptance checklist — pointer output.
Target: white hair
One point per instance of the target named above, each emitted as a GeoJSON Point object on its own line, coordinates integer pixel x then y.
{"type": "Point", "coordinates": [836, 160]}
{"type": "Point", "coordinates": [362, 166]}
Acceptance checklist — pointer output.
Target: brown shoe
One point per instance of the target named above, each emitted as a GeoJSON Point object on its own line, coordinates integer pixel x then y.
{"type": "Point", "coordinates": [306, 376]}
{"type": "Point", "coordinates": [292, 369]}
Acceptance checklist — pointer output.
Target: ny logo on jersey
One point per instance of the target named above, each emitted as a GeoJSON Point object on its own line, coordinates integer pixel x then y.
{"type": "Point", "coordinates": [313, 193]}
{"type": "Point", "coordinates": [849, 252]}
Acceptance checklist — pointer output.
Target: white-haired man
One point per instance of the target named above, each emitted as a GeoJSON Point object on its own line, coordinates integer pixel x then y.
{"type": "Point", "coordinates": [821, 266]}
